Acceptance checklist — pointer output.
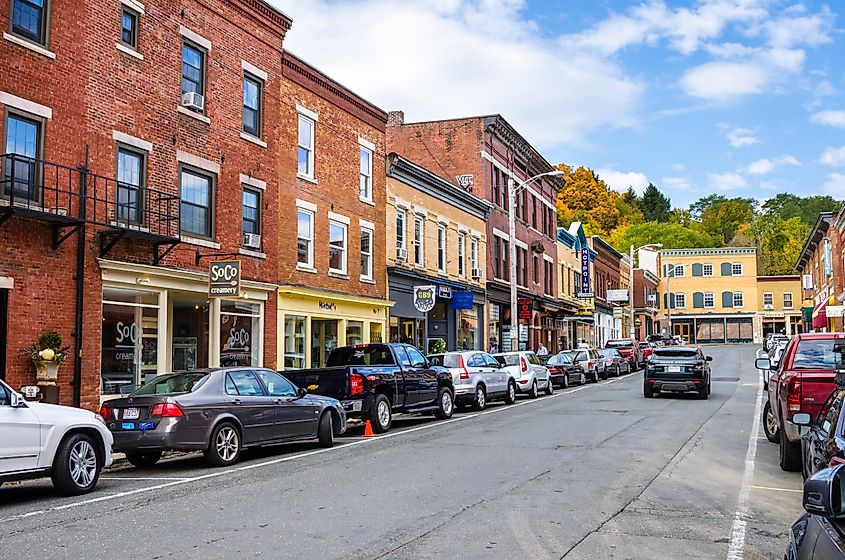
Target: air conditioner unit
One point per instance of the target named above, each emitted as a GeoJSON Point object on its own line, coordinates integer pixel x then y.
{"type": "Point", "coordinates": [402, 253]}
{"type": "Point", "coordinates": [193, 100]}
{"type": "Point", "coordinates": [252, 240]}
{"type": "Point", "coordinates": [476, 273]}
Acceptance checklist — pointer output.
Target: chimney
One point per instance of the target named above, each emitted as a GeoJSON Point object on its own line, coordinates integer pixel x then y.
{"type": "Point", "coordinates": [395, 118]}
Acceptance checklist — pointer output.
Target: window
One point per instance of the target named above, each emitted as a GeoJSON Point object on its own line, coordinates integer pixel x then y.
{"type": "Point", "coordinates": [534, 212]}
{"type": "Point", "coordinates": [419, 240]}
{"type": "Point", "coordinates": [193, 69]}
{"type": "Point", "coordinates": [737, 299]}
{"type": "Point", "coordinates": [400, 229]}
{"type": "Point", "coordinates": [305, 154]}
{"type": "Point", "coordinates": [130, 183]}
{"type": "Point", "coordinates": [709, 300]}
{"type": "Point", "coordinates": [243, 383]}
{"type": "Point", "coordinates": [240, 333]}
{"type": "Point", "coordinates": [506, 273]}
{"type": "Point", "coordinates": [707, 270]}
{"type": "Point", "coordinates": [366, 254]}
{"type": "Point", "coordinates": [337, 247]}
{"type": "Point", "coordinates": [277, 386]}
{"type": "Point", "coordinates": [497, 191]}
{"type": "Point", "coordinates": [535, 264]}
{"type": "Point", "coordinates": [787, 300]}
{"type": "Point", "coordinates": [252, 106]}
{"type": "Point", "coordinates": [129, 28]}
{"type": "Point", "coordinates": [736, 269]}
{"type": "Point", "coordinates": [196, 193]}
{"type": "Point", "coordinates": [461, 254]}
{"type": "Point", "coordinates": [473, 253]}
{"type": "Point", "coordinates": [29, 19]}
{"type": "Point", "coordinates": [677, 271]}
{"type": "Point", "coordinates": [366, 179]}
{"type": "Point", "coordinates": [505, 196]}
{"type": "Point", "coordinates": [305, 238]}
{"type": "Point", "coordinates": [441, 248]}
{"type": "Point", "coordinates": [768, 299]}
{"type": "Point", "coordinates": [23, 138]}
{"type": "Point", "coordinates": [251, 211]}
{"type": "Point", "coordinates": [680, 301]}
{"type": "Point", "coordinates": [497, 257]}
{"type": "Point", "coordinates": [521, 266]}
{"type": "Point", "coordinates": [294, 341]}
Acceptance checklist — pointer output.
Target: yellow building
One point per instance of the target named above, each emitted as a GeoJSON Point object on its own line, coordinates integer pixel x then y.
{"type": "Point", "coordinates": [436, 260]}
{"type": "Point", "coordinates": [779, 299]}
{"type": "Point", "coordinates": [713, 294]}
{"type": "Point", "coordinates": [577, 313]}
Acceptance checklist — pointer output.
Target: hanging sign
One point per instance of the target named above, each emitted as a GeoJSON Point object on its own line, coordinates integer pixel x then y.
{"type": "Point", "coordinates": [525, 306]}
{"type": "Point", "coordinates": [444, 292]}
{"type": "Point", "coordinates": [585, 291]}
{"type": "Point", "coordinates": [224, 279]}
{"type": "Point", "coordinates": [424, 298]}
{"type": "Point", "coordinates": [462, 300]}
{"type": "Point", "coordinates": [617, 295]}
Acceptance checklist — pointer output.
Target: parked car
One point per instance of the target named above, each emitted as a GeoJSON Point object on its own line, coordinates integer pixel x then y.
{"type": "Point", "coordinates": [658, 338]}
{"type": "Point", "coordinates": [648, 348]}
{"type": "Point", "coordinates": [219, 412]}
{"type": "Point", "coordinates": [373, 381]}
{"type": "Point", "coordinates": [823, 437]}
{"type": "Point", "coordinates": [564, 372]}
{"type": "Point", "coordinates": [590, 361]}
{"type": "Point", "coordinates": [817, 534]}
{"type": "Point", "coordinates": [802, 382]}
{"type": "Point", "coordinates": [774, 341]}
{"type": "Point", "coordinates": [531, 376]}
{"type": "Point", "coordinates": [677, 369]}
{"type": "Point", "coordinates": [614, 362]}
{"type": "Point", "coordinates": [477, 378]}
{"type": "Point", "coordinates": [629, 348]}
{"type": "Point", "coordinates": [70, 445]}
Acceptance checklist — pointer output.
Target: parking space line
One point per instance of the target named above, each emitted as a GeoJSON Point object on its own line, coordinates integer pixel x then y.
{"type": "Point", "coordinates": [215, 474]}
{"type": "Point", "coordinates": [778, 489]}
{"type": "Point", "coordinates": [144, 478]}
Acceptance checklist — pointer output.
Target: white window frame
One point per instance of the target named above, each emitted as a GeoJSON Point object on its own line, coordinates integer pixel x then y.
{"type": "Point", "coordinates": [741, 299]}
{"type": "Point", "coordinates": [442, 232]}
{"type": "Point", "coordinates": [401, 231]}
{"type": "Point", "coordinates": [345, 253]}
{"type": "Point", "coordinates": [311, 214]}
{"type": "Point", "coordinates": [791, 301]}
{"type": "Point", "coordinates": [771, 298]}
{"type": "Point", "coordinates": [368, 255]}
{"type": "Point", "coordinates": [473, 252]}
{"type": "Point", "coordinates": [734, 267]}
{"type": "Point", "coordinates": [676, 269]}
{"type": "Point", "coordinates": [712, 297]}
{"type": "Point", "coordinates": [419, 240]}
{"type": "Point", "coordinates": [705, 268]}
{"type": "Point", "coordinates": [310, 149]}
{"type": "Point", "coordinates": [365, 184]}
{"type": "Point", "coordinates": [680, 301]}
{"type": "Point", "coordinates": [462, 265]}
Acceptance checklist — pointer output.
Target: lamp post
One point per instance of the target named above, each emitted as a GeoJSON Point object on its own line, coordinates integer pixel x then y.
{"type": "Point", "coordinates": [513, 189]}
{"type": "Point", "coordinates": [631, 284]}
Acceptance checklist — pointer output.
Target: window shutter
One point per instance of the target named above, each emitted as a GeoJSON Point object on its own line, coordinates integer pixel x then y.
{"type": "Point", "coordinates": [696, 270]}
{"type": "Point", "coordinates": [672, 301]}
{"type": "Point", "coordinates": [665, 270]}
{"type": "Point", "coordinates": [726, 270]}
{"type": "Point", "coordinates": [727, 297]}
{"type": "Point", "coordinates": [698, 300]}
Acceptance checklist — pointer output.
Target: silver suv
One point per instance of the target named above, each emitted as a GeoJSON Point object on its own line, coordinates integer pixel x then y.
{"type": "Point", "coordinates": [529, 373]}
{"type": "Point", "coordinates": [591, 362]}
{"type": "Point", "coordinates": [477, 377]}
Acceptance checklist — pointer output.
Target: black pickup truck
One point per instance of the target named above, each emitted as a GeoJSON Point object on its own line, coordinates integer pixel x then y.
{"type": "Point", "coordinates": [375, 380]}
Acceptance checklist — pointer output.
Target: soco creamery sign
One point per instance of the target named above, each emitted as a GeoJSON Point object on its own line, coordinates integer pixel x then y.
{"type": "Point", "coordinates": [224, 279]}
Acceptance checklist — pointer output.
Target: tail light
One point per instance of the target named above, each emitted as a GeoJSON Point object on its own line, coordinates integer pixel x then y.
{"type": "Point", "coordinates": [589, 365]}
{"type": "Point", "coordinates": [834, 461]}
{"type": "Point", "coordinates": [356, 384]}
{"type": "Point", "coordinates": [793, 394]}
{"type": "Point", "coordinates": [106, 413]}
{"type": "Point", "coordinates": [554, 371]}
{"type": "Point", "coordinates": [464, 373]}
{"type": "Point", "coordinates": [524, 363]}
{"type": "Point", "coordinates": [166, 410]}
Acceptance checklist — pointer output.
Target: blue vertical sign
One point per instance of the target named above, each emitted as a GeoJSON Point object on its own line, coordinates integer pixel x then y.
{"type": "Point", "coordinates": [585, 273]}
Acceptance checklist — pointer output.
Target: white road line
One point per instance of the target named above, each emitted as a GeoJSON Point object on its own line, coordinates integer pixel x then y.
{"type": "Point", "coordinates": [144, 478]}
{"type": "Point", "coordinates": [736, 550]}
{"type": "Point", "coordinates": [215, 474]}
{"type": "Point", "coordinates": [777, 489]}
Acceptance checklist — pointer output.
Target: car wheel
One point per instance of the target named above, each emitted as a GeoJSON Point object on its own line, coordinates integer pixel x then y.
{"type": "Point", "coordinates": [790, 455]}
{"type": "Point", "coordinates": [480, 401]}
{"type": "Point", "coordinates": [532, 392]}
{"type": "Point", "coordinates": [648, 391]}
{"type": "Point", "coordinates": [224, 449]}
{"type": "Point", "coordinates": [445, 404]}
{"type": "Point", "coordinates": [604, 374]}
{"type": "Point", "coordinates": [566, 381]}
{"type": "Point", "coordinates": [510, 396]}
{"type": "Point", "coordinates": [382, 416]}
{"type": "Point", "coordinates": [583, 380]}
{"type": "Point", "coordinates": [76, 466]}
{"type": "Point", "coordinates": [550, 388]}
{"type": "Point", "coordinates": [142, 460]}
{"type": "Point", "coordinates": [325, 431]}
{"type": "Point", "coordinates": [703, 393]}
{"type": "Point", "coordinates": [617, 372]}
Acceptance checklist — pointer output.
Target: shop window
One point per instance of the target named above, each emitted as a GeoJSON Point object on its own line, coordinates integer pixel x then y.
{"type": "Point", "coordinates": [305, 238]}
{"type": "Point", "coordinates": [29, 19]}
{"type": "Point", "coordinates": [240, 333]}
{"type": "Point", "coordinates": [23, 138]}
{"type": "Point", "coordinates": [337, 247]}
{"type": "Point", "coordinates": [323, 340]}
{"type": "Point", "coordinates": [294, 341]}
{"type": "Point", "coordinates": [366, 175]}
{"type": "Point", "coordinates": [190, 343]}
{"type": "Point", "coordinates": [366, 254]}
{"type": "Point", "coordinates": [468, 331]}
{"type": "Point", "coordinates": [354, 333]}
{"type": "Point", "coordinates": [129, 338]}
{"type": "Point", "coordinates": [376, 333]}
{"type": "Point", "coordinates": [196, 211]}
{"type": "Point", "coordinates": [129, 28]}
{"type": "Point", "coordinates": [253, 93]}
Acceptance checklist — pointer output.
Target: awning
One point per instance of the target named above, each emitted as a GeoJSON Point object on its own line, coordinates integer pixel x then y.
{"type": "Point", "coordinates": [820, 315]}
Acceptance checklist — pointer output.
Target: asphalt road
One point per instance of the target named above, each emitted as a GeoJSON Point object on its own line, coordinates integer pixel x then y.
{"type": "Point", "coordinates": [590, 473]}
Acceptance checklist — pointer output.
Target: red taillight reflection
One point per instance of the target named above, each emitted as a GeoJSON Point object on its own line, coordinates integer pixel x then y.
{"type": "Point", "coordinates": [106, 413]}
{"type": "Point", "coordinates": [464, 373]}
{"type": "Point", "coordinates": [836, 461]}
{"type": "Point", "coordinates": [166, 410]}
{"type": "Point", "coordinates": [356, 384]}
{"type": "Point", "coordinates": [524, 363]}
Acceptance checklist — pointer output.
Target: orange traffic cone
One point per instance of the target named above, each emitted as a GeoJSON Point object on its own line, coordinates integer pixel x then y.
{"type": "Point", "coordinates": [368, 429]}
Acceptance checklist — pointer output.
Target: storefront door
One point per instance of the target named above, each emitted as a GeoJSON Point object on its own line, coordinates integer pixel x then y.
{"type": "Point", "coordinates": [323, 340]}
{"type": "Point", "coordinates": [682, 329]}
{"type": "Point", "coordinates": [190, 333]}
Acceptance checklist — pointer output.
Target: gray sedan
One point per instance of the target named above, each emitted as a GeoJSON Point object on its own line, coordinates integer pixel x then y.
{"type": "Point", "coordinates": [219, 412]}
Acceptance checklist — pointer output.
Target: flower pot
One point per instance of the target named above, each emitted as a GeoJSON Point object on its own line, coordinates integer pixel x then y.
{"type": "Point", "coordinates": [47, 371]}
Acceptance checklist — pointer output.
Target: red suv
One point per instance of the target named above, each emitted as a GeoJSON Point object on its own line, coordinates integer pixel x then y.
{"type": "Point", "coordinates": [803, 381]}
{"type": "Point", "coordinates": [630, 349]}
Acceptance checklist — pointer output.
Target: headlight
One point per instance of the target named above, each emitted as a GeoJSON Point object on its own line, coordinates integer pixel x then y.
{"type": "Point", "coordinates": [100, 418]}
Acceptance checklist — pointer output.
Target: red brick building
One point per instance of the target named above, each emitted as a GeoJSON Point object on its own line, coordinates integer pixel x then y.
{"type": "Point", "coordinates": [645, 302]}
{"type": "Point", "coordinates": [607, 276]}
{"type": "Point", "coordinates": [145, 146]}
{"type": "Point", "coordinates": [484, 154]}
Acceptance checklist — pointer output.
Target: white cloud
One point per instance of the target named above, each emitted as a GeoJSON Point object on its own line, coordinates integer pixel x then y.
{"type": "Point", "coordinates": [833, 156]}
{"type": "Point", "coordinates": [811, 30]}
{"type": "Point", "coordinates": [835, 185]}
{"type": "Point", "coordinates": [675, 184]}
{"type": "Point", "coordinates": [787, 159]}
{"type": "Point", "coordinates": [728, 181]}
{"type": "Point", "coordinates": [829, 118]}
{"type": "Point", "coordinates": [724, 81]}
{"type": "Point", "coordinates": [764, 166]}
{"type": "Point", "coordinates": [741, 137]}
{"type": "Point", "coordinates": [621, 180]}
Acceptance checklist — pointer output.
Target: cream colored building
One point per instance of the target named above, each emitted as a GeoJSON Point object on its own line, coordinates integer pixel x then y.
{"type": "Point", "coordinates": [779, 298]}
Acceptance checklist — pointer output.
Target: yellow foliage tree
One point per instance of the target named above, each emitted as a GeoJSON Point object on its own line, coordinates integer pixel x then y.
{"type": "Point", "coordinates": [588, 199]}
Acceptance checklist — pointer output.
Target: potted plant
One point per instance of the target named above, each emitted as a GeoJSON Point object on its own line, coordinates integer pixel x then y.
{"type": "Point", "coordinates": [47, 354]}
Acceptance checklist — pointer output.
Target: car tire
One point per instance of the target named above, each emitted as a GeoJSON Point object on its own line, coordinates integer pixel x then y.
{"type": "Point", "coordinates": [703, 394]}
{"type": "Point", "coordinates": [144, 460]}
{"type": "Point", "coordinates": [445, 404]}
{"type": "Point", "coordinates": [325, 430]}
{"type": "Point", "coordinates": [648, 391]}
{"type": "Point", "coordinates": [604, 374]}
{"type": "Point", "coordinates": [583, 380]}
{"type": "Point", "coordinates": [480, 401]}
{"type": "Point", "coordinates": [565, 384]}
{"type": "Point", "coordinates": [617, 372]}
{"type": "Point", "coordinates": [510, 396]}
{"type": "Point", "coordinates": [76, 453]}
{"type": "Point", "coordinates": [224, 447]}
{"type": "Point", "coordinates": [549, 388]}
{"type": "Point", "coordinates": [532, 392]}
{"type": "Point", "coordinates": [790, 455]}
{"type": "Point", "coordinates": [381, 414]}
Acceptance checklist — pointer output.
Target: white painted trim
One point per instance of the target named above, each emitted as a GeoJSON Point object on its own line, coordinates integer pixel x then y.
{"type": "Point", "coordinates": [339, 218]}
{"type": "Point", "coordinates": [135, 5]}
{"type": "Point", "coordinates": [520, 244]}
{"type": "Point", "coordinates": [250, 253]}
{"type": "Point", "coordinates": [443, 220]}
{"type": "Point", "coordinates": [26, 105]}
{"type": "Point", "coordinates": [403, 204]}
{"type": "Point", "coordinates": [305, 205]}
{"type": "Point", "coordinates": [253, 139]}
{"type": "Point", "coordinates": [253, 182]}
{"type": "Point", "coordinates": [367, 201]}
{"type": "Point", "coordinates": [193, 114]}
{"type": "Point", "coordinates": [305, 268]}
{"type": "Point", "coordinates": [366, 224]}
{"type": "Point", "coordinates": [133, 141]}
{"type": "Point", "coordinates": [128, 50]}
{"type": "Point", "coordinates": [420, 211]}
{"type": "Point", "coordinates": [307, 113]}
{"type": "Point", "coordinates": [364, 143]}
{"type": "Point", "coordinates": [7, 283]}
{"type": "Point", "coordinates": [254, 70]}
{"type": "Point", "coordinates": [475, 234]}
{"type": "Point", "coordinates": [499, 233]}
{"type": "Point", "coordinates": [548, 258]}
{"type": "Point", "coordinates": [201, 242]}
{"type": "Point", "coordinates": [196, 161]}
{"type": "Point", "coordinates": [194, 37]}
{"type": "Point", "coordinates": [307, 178]}
{"type": "Point", "coordinates": [28, 45]}
{"type": "Point", "coordinates": [463, 228]}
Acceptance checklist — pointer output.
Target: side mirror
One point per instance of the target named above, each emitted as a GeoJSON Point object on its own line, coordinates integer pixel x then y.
{"type": "Point", "coordinates": [802, 419]}
{"type": "Point", "coordinates": [763, 363]}
{"type": "Point", "coordinates": [709, 358]}
{"type": "Point", "coordinates": [302, 392]}
{"type": "Point", "coordinates": [17, 401]}
{"type": "Point", "coordinates": [823, 493]}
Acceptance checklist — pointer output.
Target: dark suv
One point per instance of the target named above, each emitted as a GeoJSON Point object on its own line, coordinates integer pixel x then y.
{"type": "Point", "coordinates": [677, 369]}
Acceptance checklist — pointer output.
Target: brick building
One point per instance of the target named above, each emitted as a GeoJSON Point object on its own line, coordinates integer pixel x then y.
{"type": "Point", "coordinates": [820, 264]}
{"type": "Point", "coordinates": [645, 302]}
{"type": "Point", "coordinates": [608, 275]}
{"type": "Point", "coordinates": [135, 153]}
{"type": "Point", "coordinates": [486, 154]}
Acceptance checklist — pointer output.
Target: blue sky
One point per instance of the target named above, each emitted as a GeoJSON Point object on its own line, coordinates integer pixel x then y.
{"type": "Point", "coordinates": [737, 97]}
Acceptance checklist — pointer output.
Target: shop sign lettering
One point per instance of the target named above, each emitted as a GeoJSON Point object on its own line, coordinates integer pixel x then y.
{"type": "Point", "coordinates": [327, 306]}
{"type": "Point", "coordinates": [224, 279]}
{"type": "Point", "coordinates": [424, 298]}
{"type": "Point", "coordinates": [525, 306]}
{"type": "Point", "coordinates": [125, 333]}
{"type": "Point", "coordinates": [465, 181]}
{"type": "Point", "coordinates": [585, 291]}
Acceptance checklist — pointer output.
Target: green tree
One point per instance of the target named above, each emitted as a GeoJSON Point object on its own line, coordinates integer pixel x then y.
{"type": "Point", "coordinates": [779, 242]}
{"type": "Point", "coordinates": [672, 236]}
{"type": "Point", "coordinates": [655, 205]}
{"type": "Point", "coordinates": [722, 219]}
{"type": "Point", "coordinates": [698, 207]}
{"type": "Point", "coordinates": [787, 205]}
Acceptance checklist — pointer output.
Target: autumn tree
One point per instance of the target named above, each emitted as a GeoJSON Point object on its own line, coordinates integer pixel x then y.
{"type": "Point", "coordinates": [723, 218]}
{"type": "Point", "coordinates": [787, 205]}
{"type": "Point", "coordinates": [655, 205]}
{"type": "Point", "coordinates": [672, 236]}
{"type": "Point", "coordinates": [779, 242]}
{"type": "Point", "coordinates": [588, 199]}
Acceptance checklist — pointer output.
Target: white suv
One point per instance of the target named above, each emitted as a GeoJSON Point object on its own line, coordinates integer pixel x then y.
{"type": "Point", "coordinates": [530, 374]}
{"type": "Point", "coordinates": [70, 445]}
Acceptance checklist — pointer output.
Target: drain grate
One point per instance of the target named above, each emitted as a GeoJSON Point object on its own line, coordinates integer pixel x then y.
{"type": "Point", "coordinates": [724, 379]}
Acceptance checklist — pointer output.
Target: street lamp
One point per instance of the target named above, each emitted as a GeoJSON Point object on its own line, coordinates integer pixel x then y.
{"type": "Point", "coordinates": [631, 284]}
{"type": "Point", "coordinates": [513, 189]}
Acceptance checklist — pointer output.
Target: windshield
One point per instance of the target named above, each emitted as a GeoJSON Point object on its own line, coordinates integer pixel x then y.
{"type": "Point", "coordinates": [176, 384]}
{"type": "Point", "coordinates": [675, 352]}
{"type": "Point", "coordinates": [620, 344]}
{"type": "Point", "coordinates": [560, 360]}
{"type": "Point", "coordinates": [508, 359]}
{"type": "Point", "coordinates": [609, 353]}
{"type": "Point", "coordinates": [369, 355]}
{"type": "Point", "coordinates": [446, 360]}
{"type": "Point", "coordinates": [816, 354]}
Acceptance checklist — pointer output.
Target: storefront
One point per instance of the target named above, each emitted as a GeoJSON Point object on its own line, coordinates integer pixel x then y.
{"type": "Point", "coordinates": [777, 322]}
{"type": "Point", "coordinates": [157, 320]}
{"type": "Point", "coordinates": [715, 328]}
{"type": "Point", "coordinates": [312, 323]}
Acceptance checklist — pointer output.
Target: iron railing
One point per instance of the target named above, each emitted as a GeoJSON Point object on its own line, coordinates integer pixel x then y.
{"type": "Point", "coordinates": [34, 186]}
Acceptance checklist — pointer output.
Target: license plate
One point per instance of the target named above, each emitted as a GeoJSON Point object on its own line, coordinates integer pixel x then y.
{"type": "Point", "coordinates": [128, 425]}
{"type": "Point", "coordinates": [674, 369]}
{"type": "Point", "coordinates": [131, 413]}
